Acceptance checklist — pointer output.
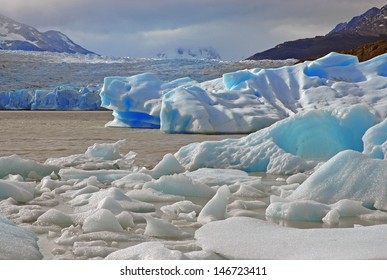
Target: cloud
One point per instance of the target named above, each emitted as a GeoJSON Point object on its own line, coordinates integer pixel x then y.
{"type": "Point", "coordinates": [236, 28]}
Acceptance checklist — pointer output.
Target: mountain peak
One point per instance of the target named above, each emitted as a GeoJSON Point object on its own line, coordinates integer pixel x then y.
{"type": "Point", "coordinates": [19, 36]}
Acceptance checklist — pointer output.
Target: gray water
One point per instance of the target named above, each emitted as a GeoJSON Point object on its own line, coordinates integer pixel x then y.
{"type": "Point", "coordinates": [39, 135]}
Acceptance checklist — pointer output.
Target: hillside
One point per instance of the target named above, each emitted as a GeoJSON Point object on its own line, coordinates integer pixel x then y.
{"type": "Point", "coordinates": [367, 28]}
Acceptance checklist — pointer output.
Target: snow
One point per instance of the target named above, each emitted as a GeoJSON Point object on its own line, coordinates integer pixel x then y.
{"type": "Point", "coordinates": [246, 100]}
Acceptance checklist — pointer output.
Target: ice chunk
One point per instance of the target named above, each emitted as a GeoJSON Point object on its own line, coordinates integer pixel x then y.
{"type": "Point", "coordinates": [125, 219]}
{"type": "Point", "coordinates": [146, 251]}
{"type": "Point", "coordinates": [215, 209]}
{"type": "Point", "coordinates": [219, 177]}
{"type": "Point", "coordinates": [101, 220]}
{"type": "Point", "coordinates": [174, 210]}
{"type": "Point", "coordinates": [132, 180]}
{"type": "Point", "coordinates": [86, 202]}
{"type": "Point", "coordinates": [310, 211]}
{"type": "Point", "coordinates": [296, 178]}
{"type": "Point", "coordinates": [161, 228]}
{"type": "Point", "coordinates": [289, 146]}
{"type": "Point", "coordinates": [105, 150]}
{"type": "Point", "coordinates": [150, 195]}
{"type": "Point", "coordinates": [180, 184]}
{"type": "Point", "coordinates": [101, 175]}
{"type": "Point", "coordinates": [110, 204]}
{"type": "Point", "coordinates": [55, 217]}
{"type": "Point", "coordinates": [16, 165]}
{"type": "Point", "coordinates": [167, 166]}
{"type": "Point", "coordinates": [348, 175]}
{"type": "Point", "coordinates": [98, 156]}
{"type": "Point", "coordinates": [19, 191]}
{"type": "Point", "coordinates": [248, 238]}
{"type": "Point", "coordinates": [375, 141]}
{"type": "Point", "coordinates": [332, 217]}
{"type": "Point", "coordinates": [17, 243]}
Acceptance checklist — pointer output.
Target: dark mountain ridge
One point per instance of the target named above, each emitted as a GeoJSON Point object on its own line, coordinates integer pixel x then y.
{"type": "Point", "coordinates": [366, 28]}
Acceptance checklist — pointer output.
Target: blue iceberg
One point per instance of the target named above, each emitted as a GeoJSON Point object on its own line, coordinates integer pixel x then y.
{"type": "Point", "coordinates": [247, 100]}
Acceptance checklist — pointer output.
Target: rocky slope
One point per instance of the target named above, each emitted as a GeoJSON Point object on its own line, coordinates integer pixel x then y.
{"type": "Point", "coordinates": [366, 28]}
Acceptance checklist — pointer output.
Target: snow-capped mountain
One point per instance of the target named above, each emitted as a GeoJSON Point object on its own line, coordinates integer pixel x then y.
{"type": "Point", "coordinates": [189, 53]}
{"type": "Point", "coordinates": [19, 36]}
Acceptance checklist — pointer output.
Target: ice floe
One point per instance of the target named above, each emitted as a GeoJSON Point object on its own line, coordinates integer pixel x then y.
{"type": "Point", "coordinates": [247, 238]}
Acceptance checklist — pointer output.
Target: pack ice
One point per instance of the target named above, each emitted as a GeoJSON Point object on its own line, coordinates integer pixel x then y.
{"type": "Point", "coordinates": [246, 100]}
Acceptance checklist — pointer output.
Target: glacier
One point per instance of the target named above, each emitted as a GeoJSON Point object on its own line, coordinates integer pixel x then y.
{"type": "Point", "coordinates": [65, 97]}
{"type": "Point", "coordinates": [246, 100]}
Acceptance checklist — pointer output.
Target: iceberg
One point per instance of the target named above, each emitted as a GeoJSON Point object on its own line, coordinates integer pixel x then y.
{"type": "Point", "coordinates": [247, 100]}
{"type": "Point", "coordinates": [295, 144]}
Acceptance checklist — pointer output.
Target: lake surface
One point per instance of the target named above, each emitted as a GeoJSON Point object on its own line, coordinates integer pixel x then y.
{"type": "Point", "coordinates": [39, 135]}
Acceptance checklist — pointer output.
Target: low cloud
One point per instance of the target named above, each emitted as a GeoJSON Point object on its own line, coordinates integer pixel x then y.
{"type": "Point", "coordinates": [236, 28]}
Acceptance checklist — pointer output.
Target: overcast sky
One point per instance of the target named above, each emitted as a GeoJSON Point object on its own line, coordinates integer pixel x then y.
{"type": "Point", "coordinates": [141, 28]}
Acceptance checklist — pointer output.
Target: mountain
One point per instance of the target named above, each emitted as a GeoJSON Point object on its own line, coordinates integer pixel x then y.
{"type": "Point", "coordinates": [189, 53]}
{"type": "Point", "coordinates": [366, 28]}
{"type": "Point", "coordinates": [19, 36]}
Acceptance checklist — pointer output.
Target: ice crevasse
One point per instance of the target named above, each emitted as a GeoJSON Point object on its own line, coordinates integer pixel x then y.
{"type": "Point", "coordinates": [247, 100]}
